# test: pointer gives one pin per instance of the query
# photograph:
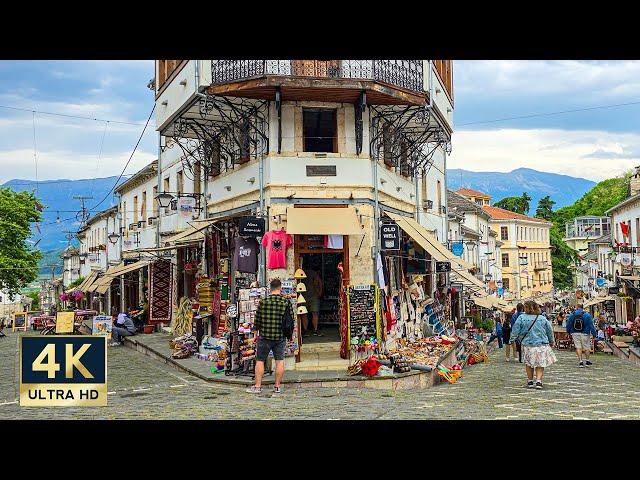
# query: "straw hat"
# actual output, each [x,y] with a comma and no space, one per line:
[300,274]
[302,310]
[301,288]
[301,299]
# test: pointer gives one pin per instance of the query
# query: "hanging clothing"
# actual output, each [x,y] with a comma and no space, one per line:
[335,242]
[276,242]
[245,255]
[381,282]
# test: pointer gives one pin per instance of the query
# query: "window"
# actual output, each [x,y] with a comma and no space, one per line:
[143,207]
[135,209]
[504,233]
[637,231]
[424,191]
[505,259]
[320,129]
[404,160]
[439,192]
[196,178]
[386,145]
[124,219]
[155,202]
[505,283]
[179,182]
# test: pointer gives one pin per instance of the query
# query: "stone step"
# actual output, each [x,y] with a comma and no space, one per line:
[321,347]
[321,361]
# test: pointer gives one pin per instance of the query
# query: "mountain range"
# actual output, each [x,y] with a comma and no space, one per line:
[563,189]
[58,198]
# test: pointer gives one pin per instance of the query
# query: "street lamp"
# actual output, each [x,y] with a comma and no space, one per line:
[113,238]
[164,199]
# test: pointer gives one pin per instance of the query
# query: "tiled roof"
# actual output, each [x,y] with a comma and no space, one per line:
[603,239]
[472,193]
[463,204]
[502,214]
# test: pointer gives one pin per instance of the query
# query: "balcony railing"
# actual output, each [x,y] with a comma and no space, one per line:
[541,266]
[407,74]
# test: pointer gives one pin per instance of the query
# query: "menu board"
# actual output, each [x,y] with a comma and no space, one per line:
[363,311]
[64,322]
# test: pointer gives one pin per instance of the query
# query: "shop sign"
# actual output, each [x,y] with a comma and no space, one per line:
[610,306]
[457,248]
[600,281]
[458,286]
[232,311]
[614,290]
[443,267]
[251,227]
[321,171]
[186,206]
[626,259]
[94,258]
[390,233]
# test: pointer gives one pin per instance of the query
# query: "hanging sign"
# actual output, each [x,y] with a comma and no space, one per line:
[610,306]
[363,317]
[457,248]
[443,267]
[390,233]
[186,206]
[626,259]
[614,290]
[600,281]
[251,227]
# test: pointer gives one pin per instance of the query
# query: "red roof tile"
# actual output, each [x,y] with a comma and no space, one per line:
[471,193]
[502,214]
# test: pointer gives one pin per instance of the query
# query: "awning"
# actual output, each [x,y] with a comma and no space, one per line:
[83,287]
[323,221]
[597,300]
[491,302]
[629,277]
[459,268]
[193,232]
[103,283]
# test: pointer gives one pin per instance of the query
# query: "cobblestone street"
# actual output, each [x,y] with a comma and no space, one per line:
[142,388]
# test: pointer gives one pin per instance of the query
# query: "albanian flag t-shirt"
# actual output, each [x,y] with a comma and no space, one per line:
[276,243]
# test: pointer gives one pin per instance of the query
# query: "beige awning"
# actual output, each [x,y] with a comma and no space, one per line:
[86,283]
[323,221]
[103,283]
[597,300]
[459,268]
[194,232]
[629,277]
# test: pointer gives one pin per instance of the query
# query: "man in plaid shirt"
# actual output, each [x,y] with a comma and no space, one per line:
[268,322]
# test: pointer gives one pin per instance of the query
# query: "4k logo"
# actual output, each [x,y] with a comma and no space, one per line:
[63,371]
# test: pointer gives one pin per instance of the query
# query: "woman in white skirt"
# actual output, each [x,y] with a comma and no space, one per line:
[535,334]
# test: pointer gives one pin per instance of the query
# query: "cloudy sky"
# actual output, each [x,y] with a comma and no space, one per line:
[594,144]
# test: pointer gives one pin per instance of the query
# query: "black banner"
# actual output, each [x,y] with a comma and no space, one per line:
[251,227]
[390,234]
[443,267]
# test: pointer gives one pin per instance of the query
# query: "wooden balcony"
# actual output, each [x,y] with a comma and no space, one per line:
[387,82]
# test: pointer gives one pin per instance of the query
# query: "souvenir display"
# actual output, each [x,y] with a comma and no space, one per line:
[301,288]
[299,274]
[302,310]
[425,351]
[276,243]
[301,299]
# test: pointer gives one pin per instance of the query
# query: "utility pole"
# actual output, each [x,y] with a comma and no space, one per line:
[83,214]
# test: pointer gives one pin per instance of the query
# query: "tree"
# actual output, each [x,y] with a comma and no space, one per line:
[18,263]
[545,208]
[515,204]
[35,296]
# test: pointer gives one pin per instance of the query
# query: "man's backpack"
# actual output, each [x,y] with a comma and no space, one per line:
[287,322]
[578,322]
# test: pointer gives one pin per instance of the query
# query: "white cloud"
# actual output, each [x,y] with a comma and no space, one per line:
[67,164]
[595,155]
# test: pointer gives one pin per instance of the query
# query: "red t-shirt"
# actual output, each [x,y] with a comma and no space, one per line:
[276,243]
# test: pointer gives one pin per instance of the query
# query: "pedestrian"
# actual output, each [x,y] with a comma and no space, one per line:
[560,319]
[124,327]
[497,333]
[514,317]
[314,293]
[268,322]
[580,327]
[508,348]
[535,334]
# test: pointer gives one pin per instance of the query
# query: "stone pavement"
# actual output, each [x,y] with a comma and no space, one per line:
[142,388]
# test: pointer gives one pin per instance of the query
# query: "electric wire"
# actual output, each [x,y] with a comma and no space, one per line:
[68,115]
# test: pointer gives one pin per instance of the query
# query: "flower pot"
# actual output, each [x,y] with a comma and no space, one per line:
[148,328]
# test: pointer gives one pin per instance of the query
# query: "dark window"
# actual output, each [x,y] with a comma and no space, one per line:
[320,130]
[504,233]
[505,283]
[505,259]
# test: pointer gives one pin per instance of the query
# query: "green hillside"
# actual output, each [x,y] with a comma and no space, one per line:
[596,201]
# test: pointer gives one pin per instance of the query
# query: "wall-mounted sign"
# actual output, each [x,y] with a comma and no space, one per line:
[390,234]
[614,290]
[600,281]
[251,227]
[186,206]
[457,248]
[321,171]
[443,267]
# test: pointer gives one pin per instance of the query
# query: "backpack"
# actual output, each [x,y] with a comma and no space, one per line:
[578,322]
[287,322]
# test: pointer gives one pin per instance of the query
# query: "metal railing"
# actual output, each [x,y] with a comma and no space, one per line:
[406,74]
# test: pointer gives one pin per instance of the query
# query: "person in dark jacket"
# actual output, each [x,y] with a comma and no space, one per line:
[580,327]
[514,317]
[506,333]
[124,327]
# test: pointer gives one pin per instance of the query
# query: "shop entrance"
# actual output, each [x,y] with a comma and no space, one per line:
[317,260]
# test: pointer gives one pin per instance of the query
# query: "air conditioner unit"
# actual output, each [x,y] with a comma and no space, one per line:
[427,204]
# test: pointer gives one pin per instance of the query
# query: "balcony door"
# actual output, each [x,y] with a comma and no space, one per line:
[316,68]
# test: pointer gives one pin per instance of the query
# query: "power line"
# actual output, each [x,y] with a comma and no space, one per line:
[128,161]
[532,115]
[67,115]
[51,182]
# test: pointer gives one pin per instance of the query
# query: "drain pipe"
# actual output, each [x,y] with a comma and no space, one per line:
[262,274]
[430,83]
[159,186]
[376,215]
[417,201]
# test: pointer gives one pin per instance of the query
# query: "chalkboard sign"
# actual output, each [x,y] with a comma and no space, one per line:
[363,312]
[610,306]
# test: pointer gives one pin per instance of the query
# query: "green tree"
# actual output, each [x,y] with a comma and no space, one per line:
[545,208]
[525,202]
[513,204]
[35,296]
[18,263]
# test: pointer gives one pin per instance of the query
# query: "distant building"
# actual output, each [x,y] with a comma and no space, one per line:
[581,230]
[475,196]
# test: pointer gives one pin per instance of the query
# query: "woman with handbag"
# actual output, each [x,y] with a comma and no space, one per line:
[535,334]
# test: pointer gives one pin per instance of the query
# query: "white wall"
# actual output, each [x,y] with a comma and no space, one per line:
[146,233]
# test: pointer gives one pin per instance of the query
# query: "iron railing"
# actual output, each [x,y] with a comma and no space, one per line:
[406,74]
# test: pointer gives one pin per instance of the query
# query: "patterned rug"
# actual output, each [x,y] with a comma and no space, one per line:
[161,292]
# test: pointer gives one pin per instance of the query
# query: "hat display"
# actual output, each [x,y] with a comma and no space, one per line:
[300,274]
[301,299]
[301,288]
[302,310]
